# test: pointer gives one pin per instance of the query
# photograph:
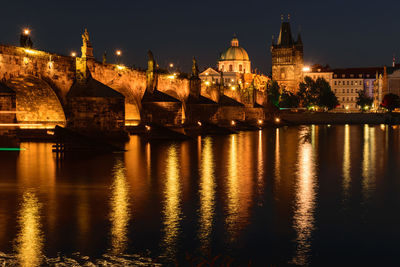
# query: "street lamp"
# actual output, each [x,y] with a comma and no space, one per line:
[73,54]
[26,31]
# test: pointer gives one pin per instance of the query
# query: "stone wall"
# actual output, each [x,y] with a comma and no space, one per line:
[226,114]
[164,113]
[7,103]
[96,113]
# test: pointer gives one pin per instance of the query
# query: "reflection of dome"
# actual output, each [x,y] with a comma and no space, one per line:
[235,52]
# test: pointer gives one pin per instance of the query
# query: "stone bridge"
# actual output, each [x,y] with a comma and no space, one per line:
[42,80]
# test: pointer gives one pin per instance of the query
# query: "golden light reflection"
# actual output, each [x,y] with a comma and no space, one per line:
[305,200]
[207,193]
[260,167]
[368,164]
[29,241]
[277,158]
[233,189]
[172,203]
[120,213]
[346,161]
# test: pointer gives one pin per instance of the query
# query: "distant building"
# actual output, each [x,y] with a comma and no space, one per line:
[287,59]
[348,82]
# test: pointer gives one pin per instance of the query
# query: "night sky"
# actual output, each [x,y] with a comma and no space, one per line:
[338,33]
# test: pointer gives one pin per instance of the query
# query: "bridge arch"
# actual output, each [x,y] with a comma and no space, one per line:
[36,102]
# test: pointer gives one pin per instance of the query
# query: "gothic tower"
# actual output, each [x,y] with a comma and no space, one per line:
[287,59]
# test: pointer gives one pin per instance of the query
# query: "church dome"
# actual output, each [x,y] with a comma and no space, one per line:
[235,52]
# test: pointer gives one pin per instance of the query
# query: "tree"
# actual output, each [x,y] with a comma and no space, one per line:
[390,102]
[308,93]
[326,99]
[273,93]
[289,100]
[317,94]
[363,100]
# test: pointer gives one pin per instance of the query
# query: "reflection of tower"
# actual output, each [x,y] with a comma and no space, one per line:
[287,58]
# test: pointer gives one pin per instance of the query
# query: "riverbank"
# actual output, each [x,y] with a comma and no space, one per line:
[289,118]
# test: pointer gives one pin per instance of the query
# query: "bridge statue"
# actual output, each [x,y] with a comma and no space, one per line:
[151,76]
[86,49]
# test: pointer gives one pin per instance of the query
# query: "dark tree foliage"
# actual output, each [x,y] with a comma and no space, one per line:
[391,102]
[273,93]
[363,100]
[317,93]
[289,100]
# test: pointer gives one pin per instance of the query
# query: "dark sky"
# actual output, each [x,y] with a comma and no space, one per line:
[338,33]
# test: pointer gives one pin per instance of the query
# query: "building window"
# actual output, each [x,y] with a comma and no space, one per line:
[344,91]
[351,90]
[335,83]
[343,99]
[347,82]
[240,67]
[347,90]
[351,82]
[339,82]
[222,68]
[230,68]
[335,91]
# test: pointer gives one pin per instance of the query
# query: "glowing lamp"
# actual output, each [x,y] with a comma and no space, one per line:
[260,122]
[26,31]
[233,123]
[199,123]
[73,54]
[118,52]
[233,88]
[277,120]
[306,69]
[148,128]
[171,65]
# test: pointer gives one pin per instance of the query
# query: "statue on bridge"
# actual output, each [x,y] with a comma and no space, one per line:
[86,49]
[151,76]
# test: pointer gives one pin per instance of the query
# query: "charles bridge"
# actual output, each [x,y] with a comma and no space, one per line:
[42,81]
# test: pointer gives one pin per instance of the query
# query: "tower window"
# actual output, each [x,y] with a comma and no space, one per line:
[240,67]
[230,68]
[222,68]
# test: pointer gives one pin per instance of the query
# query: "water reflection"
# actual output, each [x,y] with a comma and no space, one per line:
[260,168]
[232,189]
[346,161]
[172,202]
[368,163]
[277,158]
[120,213]
[207,193]
[29,241]
[304,199]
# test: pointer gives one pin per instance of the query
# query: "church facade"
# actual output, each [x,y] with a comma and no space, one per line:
[287,59]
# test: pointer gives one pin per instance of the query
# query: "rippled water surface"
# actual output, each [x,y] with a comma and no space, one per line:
[303,195]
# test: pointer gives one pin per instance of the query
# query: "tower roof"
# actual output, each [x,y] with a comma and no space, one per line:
[285,35]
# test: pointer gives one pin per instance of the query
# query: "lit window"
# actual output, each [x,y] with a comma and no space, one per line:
[240,67]
[230,68]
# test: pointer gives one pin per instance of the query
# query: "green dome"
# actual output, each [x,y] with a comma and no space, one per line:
[235,52]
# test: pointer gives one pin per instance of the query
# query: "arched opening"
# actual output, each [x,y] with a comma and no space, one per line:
[36,103]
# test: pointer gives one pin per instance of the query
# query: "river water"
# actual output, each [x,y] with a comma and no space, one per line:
[307,195]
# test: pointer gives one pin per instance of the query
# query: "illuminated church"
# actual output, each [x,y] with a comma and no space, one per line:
[234,66]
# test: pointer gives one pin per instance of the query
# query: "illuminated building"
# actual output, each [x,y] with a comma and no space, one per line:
[287,59]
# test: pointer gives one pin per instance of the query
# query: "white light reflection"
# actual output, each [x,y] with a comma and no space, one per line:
[172,202]
[207,193]
[29,243]
[346,161]
[303,219]
[120,213]
[368,164]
